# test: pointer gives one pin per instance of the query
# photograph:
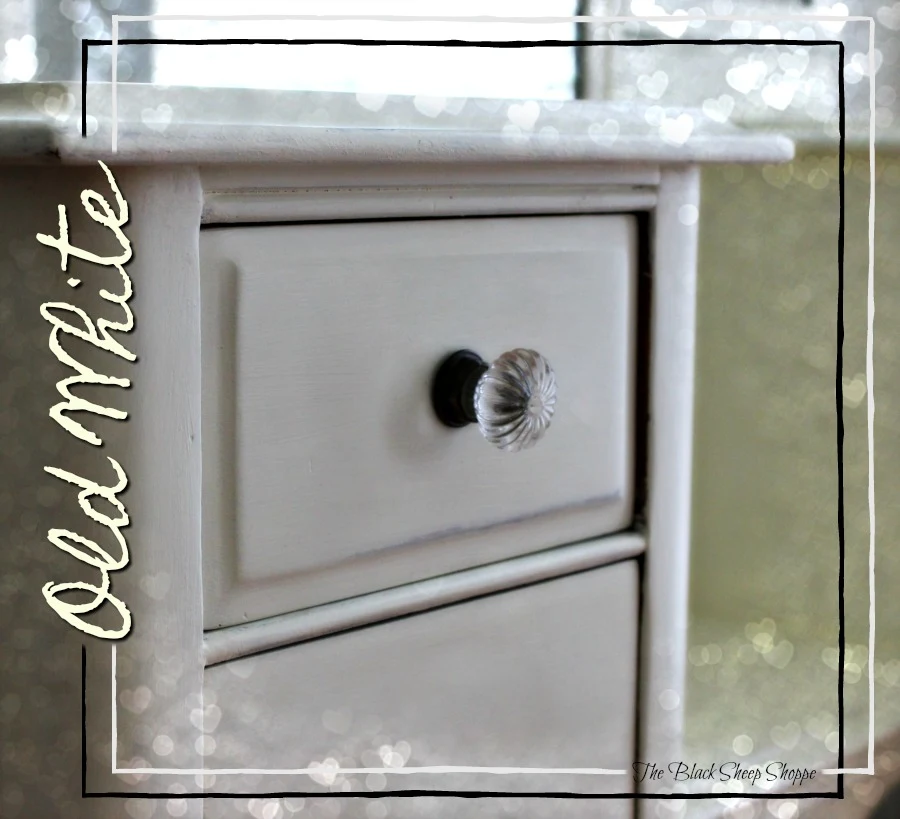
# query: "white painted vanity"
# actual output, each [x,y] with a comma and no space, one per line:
[323,574]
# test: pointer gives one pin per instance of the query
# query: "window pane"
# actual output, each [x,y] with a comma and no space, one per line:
[533,72]
[40,41]
[779,87]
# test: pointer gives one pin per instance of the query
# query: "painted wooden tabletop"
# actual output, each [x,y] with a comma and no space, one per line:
[155,124]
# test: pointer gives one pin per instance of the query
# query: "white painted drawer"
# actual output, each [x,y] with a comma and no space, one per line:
[537,677]
[326,473]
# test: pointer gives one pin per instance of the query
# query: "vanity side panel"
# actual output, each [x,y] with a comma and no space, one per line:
[163,451]
[158,447]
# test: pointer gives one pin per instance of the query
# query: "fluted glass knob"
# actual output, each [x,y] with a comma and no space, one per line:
[511,400]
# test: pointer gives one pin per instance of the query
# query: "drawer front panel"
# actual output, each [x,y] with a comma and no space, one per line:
[540,677]
[326,472]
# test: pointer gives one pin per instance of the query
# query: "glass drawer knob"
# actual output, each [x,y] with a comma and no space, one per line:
[511,400]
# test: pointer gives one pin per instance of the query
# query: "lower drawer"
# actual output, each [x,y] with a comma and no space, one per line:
[538,677]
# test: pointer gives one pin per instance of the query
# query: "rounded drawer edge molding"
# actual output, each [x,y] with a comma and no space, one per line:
[233,642]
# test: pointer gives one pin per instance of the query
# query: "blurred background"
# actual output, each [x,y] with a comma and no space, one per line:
[764,601]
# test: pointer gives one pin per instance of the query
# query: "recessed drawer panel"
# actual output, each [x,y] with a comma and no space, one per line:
[541,677]
[326,471]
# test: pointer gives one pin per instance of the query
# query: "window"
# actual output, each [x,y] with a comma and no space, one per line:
[547,73]
[778,87]
[42,43]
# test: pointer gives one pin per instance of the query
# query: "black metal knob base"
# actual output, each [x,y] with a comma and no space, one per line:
[453,388]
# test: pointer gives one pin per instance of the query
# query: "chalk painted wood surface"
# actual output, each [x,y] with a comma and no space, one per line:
[240,125]
[285,205]
[158,446]
[371,180]
[548,672]
[669,450]
[221,645]
[539,677]
[326,472]
[164,456]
